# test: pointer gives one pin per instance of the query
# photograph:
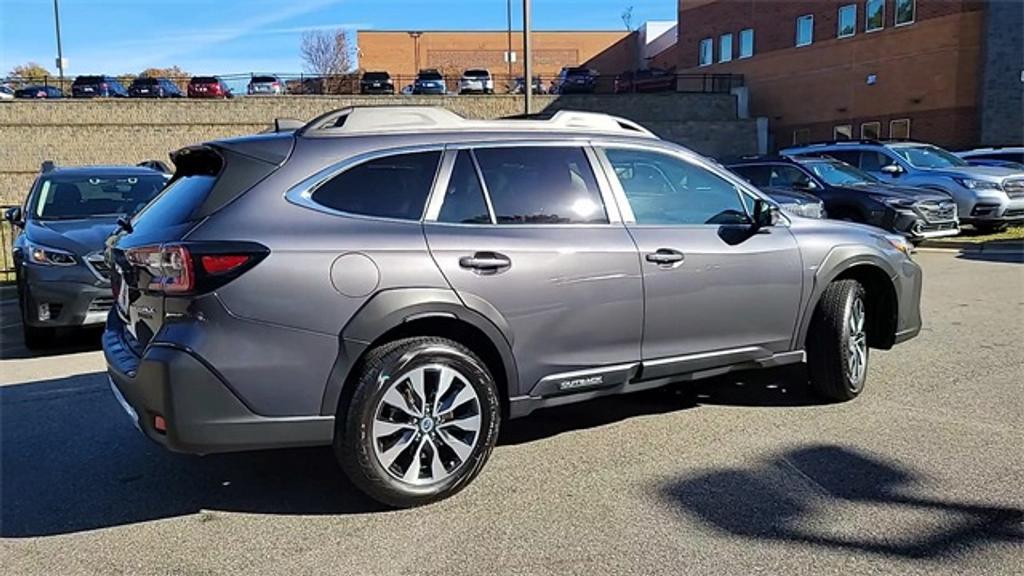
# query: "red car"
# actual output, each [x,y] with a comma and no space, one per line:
[650,80]
[208,87]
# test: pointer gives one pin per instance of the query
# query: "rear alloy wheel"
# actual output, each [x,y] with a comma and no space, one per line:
[421,423]
[837,342]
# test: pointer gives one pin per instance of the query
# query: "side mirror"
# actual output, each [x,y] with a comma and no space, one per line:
[765,214]
[14,216]
[893,170]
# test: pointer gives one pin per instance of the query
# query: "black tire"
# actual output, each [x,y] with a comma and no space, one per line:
[833,374]
[356,447]
[34,337]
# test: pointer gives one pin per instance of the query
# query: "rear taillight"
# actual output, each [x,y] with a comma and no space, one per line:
[168,267]
[223,263]
[194,267]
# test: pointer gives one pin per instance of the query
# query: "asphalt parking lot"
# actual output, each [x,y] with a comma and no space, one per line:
[922,474]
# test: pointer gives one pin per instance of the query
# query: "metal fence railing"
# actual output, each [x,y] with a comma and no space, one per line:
[7,234]
[349,84]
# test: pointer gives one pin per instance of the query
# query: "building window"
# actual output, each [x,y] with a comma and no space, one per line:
[874,15]
[905,12]
[871,131]
[707,51]
[805,30]
[843,132]
[900,129]
[847,21]
[725,48]
[801,136]
[746,43]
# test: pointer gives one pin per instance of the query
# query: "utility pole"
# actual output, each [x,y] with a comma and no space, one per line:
[60,53]
[508,55]
[527,59]
[416,51]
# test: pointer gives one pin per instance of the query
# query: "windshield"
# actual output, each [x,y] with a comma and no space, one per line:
[839,174]
[67,197]
[928,157]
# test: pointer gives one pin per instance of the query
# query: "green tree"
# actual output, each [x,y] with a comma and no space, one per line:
[30,73]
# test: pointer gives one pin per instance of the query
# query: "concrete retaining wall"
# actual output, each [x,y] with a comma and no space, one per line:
[78,132]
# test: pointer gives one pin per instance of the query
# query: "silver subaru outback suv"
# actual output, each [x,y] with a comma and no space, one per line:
[399,281]
[987,197]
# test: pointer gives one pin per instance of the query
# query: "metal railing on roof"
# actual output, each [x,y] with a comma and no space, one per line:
[377,119]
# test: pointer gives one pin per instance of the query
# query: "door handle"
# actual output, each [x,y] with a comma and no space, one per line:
[487,261]
[665,257]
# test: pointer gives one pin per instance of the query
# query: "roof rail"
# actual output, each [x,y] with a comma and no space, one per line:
[47,166]
[839,143]
[377,119]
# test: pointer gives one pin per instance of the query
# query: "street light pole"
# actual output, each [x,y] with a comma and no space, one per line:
[60,53]
[508,55]
[527,59]
[416,51]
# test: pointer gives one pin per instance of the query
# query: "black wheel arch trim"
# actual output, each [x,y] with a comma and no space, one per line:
[389,309]
[838,261]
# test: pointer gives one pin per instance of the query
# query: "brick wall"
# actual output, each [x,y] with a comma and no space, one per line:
[128,131]
[928,71]
[454,51]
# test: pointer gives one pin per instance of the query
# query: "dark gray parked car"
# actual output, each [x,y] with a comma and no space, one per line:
[62,277]
[398,281]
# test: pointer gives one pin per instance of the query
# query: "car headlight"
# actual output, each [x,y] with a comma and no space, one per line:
[47,256]
[809,210]
[972,184]
[895,202]
[900,243]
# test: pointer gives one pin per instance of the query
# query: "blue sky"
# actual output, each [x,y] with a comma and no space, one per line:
[228,36]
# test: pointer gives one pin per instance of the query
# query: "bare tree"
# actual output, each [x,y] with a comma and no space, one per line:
[326,52]
[627,18]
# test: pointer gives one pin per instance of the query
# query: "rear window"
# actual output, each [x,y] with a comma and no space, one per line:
[430,75]
[264,79]
[541,185]
[392,187]
[376,76]
[578,71]
[477,73]
[204,80]
[146,82]
[89,80]
[176,203]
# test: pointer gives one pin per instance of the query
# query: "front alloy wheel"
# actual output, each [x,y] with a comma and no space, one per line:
[837,342]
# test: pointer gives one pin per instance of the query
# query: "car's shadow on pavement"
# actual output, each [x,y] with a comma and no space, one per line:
[71,460]
[759,503]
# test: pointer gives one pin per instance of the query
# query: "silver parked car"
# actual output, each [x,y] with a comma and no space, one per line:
[399,281]
[265,85]
[987,197]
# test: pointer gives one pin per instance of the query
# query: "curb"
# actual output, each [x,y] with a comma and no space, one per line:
[970,247]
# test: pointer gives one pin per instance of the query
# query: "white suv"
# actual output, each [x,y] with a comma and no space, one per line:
[476,81]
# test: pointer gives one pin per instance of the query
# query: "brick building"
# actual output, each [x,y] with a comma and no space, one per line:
[402,53]
[944,71]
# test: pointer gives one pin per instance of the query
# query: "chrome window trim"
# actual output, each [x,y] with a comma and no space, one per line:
[582,143]
[742,186]
[301,194]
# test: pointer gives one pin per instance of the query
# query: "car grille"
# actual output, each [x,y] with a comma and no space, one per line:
[1014,188]
[101,304]
[938,211]
[99,266]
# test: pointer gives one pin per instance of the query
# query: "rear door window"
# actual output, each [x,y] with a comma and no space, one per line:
[541,185]
[390,187]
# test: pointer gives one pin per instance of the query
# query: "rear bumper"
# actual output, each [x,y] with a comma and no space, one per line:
[202,414]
